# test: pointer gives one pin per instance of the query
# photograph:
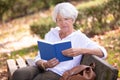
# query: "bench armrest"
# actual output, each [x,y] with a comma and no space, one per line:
[103,70]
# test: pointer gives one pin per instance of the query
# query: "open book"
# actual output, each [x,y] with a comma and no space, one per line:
[49,50]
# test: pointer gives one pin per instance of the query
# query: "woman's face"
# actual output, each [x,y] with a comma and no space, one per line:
[65,24]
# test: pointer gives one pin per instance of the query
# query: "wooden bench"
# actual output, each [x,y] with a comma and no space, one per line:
[103,70]
[13,64]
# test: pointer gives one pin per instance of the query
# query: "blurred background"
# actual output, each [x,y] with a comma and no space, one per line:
[23,22]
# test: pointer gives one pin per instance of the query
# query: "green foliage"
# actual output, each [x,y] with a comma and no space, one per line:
[31,51]
[5,5]
[10,9]
[23,7]
[42,26]
[96,17]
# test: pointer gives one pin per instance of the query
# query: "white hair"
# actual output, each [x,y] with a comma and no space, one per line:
[66,10]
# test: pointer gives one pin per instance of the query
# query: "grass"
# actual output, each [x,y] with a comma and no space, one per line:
[30,51]
[111,41]
[90,4]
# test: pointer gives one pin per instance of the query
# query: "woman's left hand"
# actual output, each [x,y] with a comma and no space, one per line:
[72,52]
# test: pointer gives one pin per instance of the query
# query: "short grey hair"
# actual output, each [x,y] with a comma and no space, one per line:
[66,10]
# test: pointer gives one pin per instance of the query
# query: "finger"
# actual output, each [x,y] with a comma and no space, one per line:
[66,51]
[52,59]
[52,62]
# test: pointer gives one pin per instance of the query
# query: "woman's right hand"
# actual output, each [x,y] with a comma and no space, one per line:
[51,63]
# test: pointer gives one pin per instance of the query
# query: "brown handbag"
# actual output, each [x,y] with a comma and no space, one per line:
[81,72]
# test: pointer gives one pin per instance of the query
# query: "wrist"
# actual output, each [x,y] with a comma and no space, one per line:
[84,51]
[43,65]
[40,64]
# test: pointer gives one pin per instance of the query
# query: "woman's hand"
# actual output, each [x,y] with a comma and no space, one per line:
[72,52]
[51,63]
[77,51]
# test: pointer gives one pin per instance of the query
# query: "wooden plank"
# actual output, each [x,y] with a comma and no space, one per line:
[21,63]
[11,67]
[30,62]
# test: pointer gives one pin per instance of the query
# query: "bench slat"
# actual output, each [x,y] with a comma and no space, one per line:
[30,62]
[21,63]
[11,65]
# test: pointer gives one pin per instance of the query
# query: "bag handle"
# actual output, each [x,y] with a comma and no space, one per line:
[76,70]
[80,68]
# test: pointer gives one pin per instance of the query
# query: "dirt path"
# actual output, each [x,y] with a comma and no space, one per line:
[15,35]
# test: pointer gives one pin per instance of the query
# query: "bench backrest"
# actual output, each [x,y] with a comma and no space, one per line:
[103,70]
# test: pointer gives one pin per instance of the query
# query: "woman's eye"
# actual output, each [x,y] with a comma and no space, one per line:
[66,18]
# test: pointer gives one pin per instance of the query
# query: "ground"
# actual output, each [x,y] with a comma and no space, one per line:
[15,41]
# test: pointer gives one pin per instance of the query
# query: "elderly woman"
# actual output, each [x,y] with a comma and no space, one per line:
[64,15]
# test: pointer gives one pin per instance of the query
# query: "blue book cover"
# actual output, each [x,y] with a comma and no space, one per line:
[49,50]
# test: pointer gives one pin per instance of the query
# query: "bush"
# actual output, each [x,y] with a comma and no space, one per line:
[42,26]
[96,17]
[10,9]
[5,5]
[22,7]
